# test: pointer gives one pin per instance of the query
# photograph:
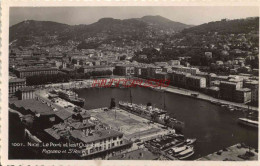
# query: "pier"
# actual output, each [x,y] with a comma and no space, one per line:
[236,152]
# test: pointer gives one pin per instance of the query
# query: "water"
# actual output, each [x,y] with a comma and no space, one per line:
[214,127]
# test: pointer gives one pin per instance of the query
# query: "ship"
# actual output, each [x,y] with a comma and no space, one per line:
[70,96]
[248,122]
[186,153]
[152,113]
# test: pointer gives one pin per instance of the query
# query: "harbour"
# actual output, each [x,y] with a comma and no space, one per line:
[214,127]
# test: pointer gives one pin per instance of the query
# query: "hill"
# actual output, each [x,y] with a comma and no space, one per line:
[44,32]
[226,26]
[164,23]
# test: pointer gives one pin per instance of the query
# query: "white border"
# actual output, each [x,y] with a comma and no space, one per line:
[48,3]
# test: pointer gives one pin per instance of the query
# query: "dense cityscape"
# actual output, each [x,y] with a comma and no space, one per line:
[52,64]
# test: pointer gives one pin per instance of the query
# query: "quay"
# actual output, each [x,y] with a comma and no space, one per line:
[169,89]
[238,152]
[204,97]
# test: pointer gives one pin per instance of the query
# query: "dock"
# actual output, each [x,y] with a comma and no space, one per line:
[236,152]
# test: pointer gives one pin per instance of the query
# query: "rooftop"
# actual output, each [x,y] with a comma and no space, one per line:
[91,67]
[80,125]
[227,82]
[36,69]
[63,114]
[97,135]
[15,80]
[244,90]
[33,105]
[195,77]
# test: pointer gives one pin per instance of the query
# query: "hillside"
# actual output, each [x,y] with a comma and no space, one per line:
[43,32]
[226,26]
[164,23]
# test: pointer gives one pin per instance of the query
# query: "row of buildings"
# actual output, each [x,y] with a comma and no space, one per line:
[238,88]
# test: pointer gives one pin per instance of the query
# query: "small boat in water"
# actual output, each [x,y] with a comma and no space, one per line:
[186,153]
[248,122]
[190,141]
[179,149]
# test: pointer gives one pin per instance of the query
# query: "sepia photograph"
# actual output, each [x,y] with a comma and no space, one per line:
[176,83]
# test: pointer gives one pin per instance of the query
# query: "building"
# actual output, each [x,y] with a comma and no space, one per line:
[208,55]
[207,76]
[178,78]
[254,86]
[38,109]
[26,93]
[124,70]
[174,62]
[87,69]
[153,70]
[213,91]
[243,95]
[162,76]
[191,70]
[195,82]
[32,71]
[101,143]
[227,90]
[15,84]
[141,71]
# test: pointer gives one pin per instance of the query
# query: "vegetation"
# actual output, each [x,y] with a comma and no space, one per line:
[234,26]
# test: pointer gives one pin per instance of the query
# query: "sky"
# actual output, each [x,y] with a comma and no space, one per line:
[88,15]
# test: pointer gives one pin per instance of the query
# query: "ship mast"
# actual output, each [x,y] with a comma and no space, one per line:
[164,105]
[131,96]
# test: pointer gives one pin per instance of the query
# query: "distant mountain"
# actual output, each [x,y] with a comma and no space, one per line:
[164,23]
[226,26]
[37,28]
[29,32]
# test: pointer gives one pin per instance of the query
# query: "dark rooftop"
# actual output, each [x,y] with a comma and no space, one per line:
[63,114]
[34,106]
[36,69]
[80,125]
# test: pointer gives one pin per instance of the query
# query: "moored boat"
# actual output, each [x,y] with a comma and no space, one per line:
[179,149]
[69,96]
[190,141]
[248,122]
[186,153]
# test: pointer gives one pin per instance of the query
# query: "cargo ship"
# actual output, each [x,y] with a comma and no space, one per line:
[69,96]
[151,113]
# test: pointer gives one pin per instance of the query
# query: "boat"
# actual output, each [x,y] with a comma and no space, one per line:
[190,141]
[186,153]
[194,94]
[152,113]
[70,96]
[248,122]
[177,150]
